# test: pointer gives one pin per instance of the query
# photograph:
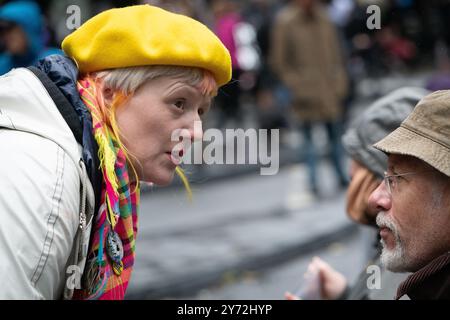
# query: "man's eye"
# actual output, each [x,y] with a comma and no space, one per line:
[392,181]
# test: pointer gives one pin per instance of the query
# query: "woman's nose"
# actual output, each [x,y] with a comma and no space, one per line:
[380,199]
[196,130]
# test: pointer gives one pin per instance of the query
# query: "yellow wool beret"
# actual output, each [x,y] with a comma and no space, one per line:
[146,35]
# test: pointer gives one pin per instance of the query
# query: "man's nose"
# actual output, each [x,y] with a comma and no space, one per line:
[380,199]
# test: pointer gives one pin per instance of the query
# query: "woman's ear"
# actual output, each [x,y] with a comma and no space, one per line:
[108,95]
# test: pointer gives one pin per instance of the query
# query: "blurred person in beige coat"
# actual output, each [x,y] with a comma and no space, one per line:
[307,59]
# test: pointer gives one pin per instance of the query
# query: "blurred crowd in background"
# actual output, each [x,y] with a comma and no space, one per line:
[413,34]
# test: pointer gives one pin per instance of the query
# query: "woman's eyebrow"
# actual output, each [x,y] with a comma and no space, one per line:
[181,87]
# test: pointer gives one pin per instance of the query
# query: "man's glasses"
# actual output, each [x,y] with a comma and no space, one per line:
[391,181]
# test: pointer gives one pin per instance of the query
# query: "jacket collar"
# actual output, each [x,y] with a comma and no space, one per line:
[430,282]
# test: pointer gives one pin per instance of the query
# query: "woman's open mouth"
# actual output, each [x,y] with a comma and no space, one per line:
[176,160]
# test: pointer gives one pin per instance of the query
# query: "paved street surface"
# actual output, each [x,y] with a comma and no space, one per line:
[347,255]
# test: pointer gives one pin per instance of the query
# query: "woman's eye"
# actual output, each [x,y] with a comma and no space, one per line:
[180,104]
[200,112]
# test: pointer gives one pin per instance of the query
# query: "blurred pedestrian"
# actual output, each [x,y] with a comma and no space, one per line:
[306,56]
[271,113]
[440,79]
[414,200]
[366,172]
[79,132]
[226,21]
[22,35]
[184,7]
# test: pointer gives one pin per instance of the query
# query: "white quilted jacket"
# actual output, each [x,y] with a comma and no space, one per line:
[44,194]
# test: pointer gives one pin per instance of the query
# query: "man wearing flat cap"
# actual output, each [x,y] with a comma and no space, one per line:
[414,200]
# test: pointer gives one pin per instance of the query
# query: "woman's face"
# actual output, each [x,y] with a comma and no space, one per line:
[358,187]
[149,117]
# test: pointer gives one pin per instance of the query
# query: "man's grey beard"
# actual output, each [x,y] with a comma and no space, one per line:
[393,259]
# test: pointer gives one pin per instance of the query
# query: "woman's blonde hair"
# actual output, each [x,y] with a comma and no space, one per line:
[126,81]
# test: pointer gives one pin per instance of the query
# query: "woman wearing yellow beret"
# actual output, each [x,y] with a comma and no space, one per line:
[81,131]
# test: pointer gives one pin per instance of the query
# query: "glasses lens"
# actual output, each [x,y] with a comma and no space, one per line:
[387,183]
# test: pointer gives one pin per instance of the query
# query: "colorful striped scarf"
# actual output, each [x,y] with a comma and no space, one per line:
[117,212]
